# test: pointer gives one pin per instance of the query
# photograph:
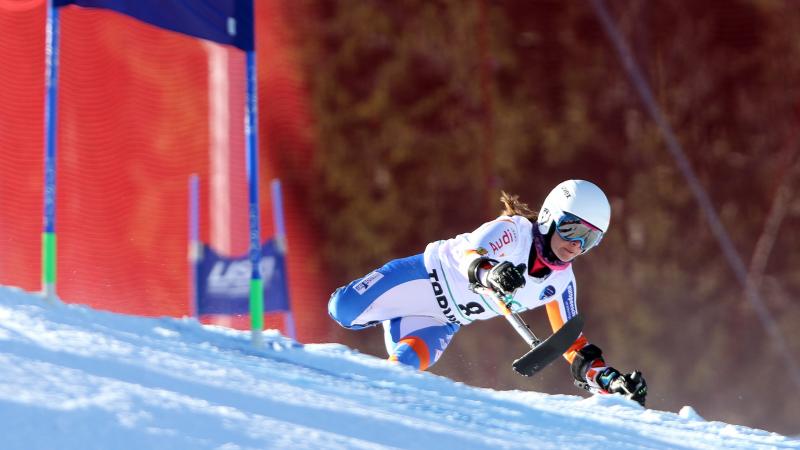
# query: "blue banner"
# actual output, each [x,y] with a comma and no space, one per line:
[223,284]
[224,21]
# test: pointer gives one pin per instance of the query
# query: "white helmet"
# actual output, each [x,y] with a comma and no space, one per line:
[577,197]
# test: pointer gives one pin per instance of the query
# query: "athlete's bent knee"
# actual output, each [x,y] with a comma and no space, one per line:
[344,310]
[336,309]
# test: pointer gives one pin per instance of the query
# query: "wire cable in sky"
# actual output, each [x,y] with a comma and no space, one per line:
[675,148]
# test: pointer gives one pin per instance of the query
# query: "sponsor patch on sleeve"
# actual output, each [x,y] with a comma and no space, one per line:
[508,237]
[367,282]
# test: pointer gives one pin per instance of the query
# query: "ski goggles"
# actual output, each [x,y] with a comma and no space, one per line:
[572,228]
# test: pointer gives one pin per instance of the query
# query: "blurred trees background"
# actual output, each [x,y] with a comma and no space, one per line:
[426,109]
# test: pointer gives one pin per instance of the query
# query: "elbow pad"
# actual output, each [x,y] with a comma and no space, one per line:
[583,361]
[476,267]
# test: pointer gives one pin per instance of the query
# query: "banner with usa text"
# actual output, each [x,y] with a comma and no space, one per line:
[223,284]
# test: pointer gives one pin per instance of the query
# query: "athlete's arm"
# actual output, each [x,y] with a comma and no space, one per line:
[586,360]
[496,240]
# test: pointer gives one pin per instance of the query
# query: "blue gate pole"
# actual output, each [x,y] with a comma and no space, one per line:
[251,134]
[51,91]
[283,248]
[194,243]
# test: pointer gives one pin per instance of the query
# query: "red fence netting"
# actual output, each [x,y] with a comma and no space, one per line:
[133,112]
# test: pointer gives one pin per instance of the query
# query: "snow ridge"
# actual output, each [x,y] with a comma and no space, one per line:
[76,378]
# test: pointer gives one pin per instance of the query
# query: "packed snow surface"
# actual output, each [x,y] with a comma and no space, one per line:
[75,378]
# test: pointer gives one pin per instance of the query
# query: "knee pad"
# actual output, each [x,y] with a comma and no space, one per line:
[336,309]
[344,312]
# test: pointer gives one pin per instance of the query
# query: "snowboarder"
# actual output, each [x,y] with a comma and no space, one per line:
[424,299]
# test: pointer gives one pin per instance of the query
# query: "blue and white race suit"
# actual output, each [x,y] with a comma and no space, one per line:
[422,300]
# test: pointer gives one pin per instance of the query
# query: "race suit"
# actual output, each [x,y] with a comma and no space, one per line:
[422,300]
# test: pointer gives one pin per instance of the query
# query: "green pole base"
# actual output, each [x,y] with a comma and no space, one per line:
[49,265]
[257,310]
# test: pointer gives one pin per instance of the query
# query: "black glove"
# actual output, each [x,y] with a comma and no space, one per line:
[505,278]
[632,385]
[501,277]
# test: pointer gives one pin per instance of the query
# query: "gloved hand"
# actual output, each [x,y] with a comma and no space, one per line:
[506,278]
[632,385]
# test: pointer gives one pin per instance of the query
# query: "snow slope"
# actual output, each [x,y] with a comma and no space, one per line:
[75,378]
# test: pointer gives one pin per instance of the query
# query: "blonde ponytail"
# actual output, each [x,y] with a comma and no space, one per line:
[512,206]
